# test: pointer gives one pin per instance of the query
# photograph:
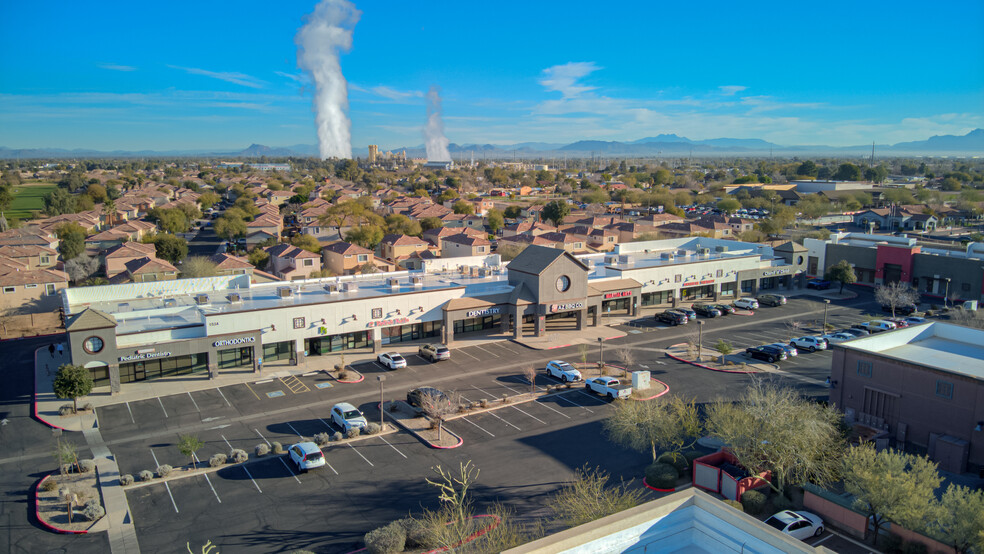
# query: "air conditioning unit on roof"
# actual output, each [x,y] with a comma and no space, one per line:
[331,288]
[234,298]
[284,292]
[393,282]
[201,299]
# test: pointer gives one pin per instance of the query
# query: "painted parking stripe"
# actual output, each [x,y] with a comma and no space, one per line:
[529,414]
[565,399]
[326,458]
[168,487]
[252,391]
[223,397]
[207,480]
[492,413]
[248,474]
[262,437]
[295,431]
[281,458]
[547,406]
[477,425]
[469,355]
[486,351]
[162,406]
[508,387]
[197,409]
[360,455]
[393,447]
[131,412]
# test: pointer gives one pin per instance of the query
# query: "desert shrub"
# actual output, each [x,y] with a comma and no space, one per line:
[388,539]
[49,485]
[675,459]
[780,503]
[126,480]
[163,470]
[394,407]
[735,504]
[343,375]
[93,510]
[373,429]
[892,544]
[353,432]
[691,456]
[322,439]
[484,402]
[65,410]
[336,436]
[87,407]
[662,476]
[418,533]
[238,455]
[277,447]
[262,449]
[505,398]
[914,547]
[753,502]
[217,459]
[146,475]
[87,466]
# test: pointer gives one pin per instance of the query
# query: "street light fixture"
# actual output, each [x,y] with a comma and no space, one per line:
[700,339]
[382,409]
[947,294]
[826,302]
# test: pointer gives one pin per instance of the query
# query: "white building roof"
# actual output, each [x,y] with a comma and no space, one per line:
[936,345]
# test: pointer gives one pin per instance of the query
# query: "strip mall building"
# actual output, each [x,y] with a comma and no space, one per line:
[141,331]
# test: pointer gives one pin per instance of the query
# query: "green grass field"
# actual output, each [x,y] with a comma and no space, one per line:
[27,198]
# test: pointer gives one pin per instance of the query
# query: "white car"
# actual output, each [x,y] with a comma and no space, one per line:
[746,303]
[563,371]
[914,320]
[306,455]
[348,416]
[838,337]
[392,360]
[798,525]
[809,343]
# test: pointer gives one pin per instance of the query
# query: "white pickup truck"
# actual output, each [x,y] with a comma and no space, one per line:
[608,386]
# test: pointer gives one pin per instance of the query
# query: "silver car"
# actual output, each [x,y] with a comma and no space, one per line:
[306,455]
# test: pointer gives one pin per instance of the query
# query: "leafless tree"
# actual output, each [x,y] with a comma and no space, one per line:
[895,295]
[438,408]
[199,266]
[81,267]
[625,355]
[582,352]
[530,373]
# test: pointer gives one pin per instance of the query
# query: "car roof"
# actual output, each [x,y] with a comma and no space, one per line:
[307,447]
[788,516]
[426,389]
[394,354]
[343,406]
[559,362]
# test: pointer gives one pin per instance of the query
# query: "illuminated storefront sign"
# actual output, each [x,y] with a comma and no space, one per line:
[233,342]
[480,313]
[147,356]
[388,322]
[566,307]
[621,294]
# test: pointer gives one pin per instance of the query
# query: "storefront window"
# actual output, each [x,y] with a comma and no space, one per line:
[694,293]
[408,333]
[235,357]
[476,324]
[100,375]
[278,351]
[748,285]
[608,306]
[320,346]
[728,289]
[164,367]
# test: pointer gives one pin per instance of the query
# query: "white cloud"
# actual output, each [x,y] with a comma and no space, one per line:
[731,90]
[297,78]
[565,78]
[115,67]
[396,95]
[227,76]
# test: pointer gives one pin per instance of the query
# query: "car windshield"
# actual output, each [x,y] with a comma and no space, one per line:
[352,414]
[565,367]
[314,456]
[774,522]
[396,358]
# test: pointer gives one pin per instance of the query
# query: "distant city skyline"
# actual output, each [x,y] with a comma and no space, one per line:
[115,75]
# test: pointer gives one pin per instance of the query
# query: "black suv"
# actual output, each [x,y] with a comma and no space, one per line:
[706,310]
[415,397]
[685,311]
[767,353]
[900,310]
[672,318]
[724,308]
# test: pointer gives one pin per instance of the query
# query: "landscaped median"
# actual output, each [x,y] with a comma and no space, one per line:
[715,361]
[656,388]
[56,496]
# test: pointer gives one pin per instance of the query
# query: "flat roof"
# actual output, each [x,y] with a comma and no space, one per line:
[943,346]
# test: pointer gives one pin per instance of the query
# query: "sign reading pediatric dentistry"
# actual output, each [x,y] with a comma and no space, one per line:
[145,356]
[486,311]
[566,307]
[233,342]
[620,294]
[388,322]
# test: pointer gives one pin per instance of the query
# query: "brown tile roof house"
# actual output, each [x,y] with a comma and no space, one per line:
[144,270]
[117,257]
[29,290]
[393,247]
[566,241]
[272,224]
[436,236]
[291,263]
[598,222]
[659,219]
[459,245]
[30,235]
[693,228]
[227,264]
[527,227]
[627,232]
[32,256]
[736,223]
[345,258]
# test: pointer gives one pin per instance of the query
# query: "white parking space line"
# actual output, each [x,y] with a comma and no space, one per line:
[289,470]
[330,428]
[820,541]
[295,430]
[162,406]
[565,399]
[197,409]
[262,437]
[360,455]
[207,480]
[486,351]
[477,425]
[227,442]
[529,414]
[131,412]
[393,447]
[248,474]
[469,355]
[157,464]
[508,387]
[547,406]
[223,397]
[421,358]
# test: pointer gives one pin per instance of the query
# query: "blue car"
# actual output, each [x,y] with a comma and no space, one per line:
[819,284]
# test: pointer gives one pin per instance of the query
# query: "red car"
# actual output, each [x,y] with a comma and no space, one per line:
[900,323]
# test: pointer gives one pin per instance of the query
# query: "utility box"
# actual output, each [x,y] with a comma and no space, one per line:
[640,380]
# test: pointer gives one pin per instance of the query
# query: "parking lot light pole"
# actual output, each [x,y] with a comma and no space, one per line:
[601,352]
[946,295]
[700,339]
[826,302]
[382,408]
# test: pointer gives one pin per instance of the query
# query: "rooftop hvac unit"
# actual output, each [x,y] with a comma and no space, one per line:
[703,251]
[482,272]
[393,282]
[123,307]
[350,286]
[666,255]
[284,292]
[170,303]
[611,259]
[234,298]
[720,248]
[682,253]
[417,281]
[201,299]
[331,288]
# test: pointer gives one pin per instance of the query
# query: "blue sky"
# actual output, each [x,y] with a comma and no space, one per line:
[181,75]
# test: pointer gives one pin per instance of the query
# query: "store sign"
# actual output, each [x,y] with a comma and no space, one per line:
[388,322]
[690,283]
[707,281]
[621,294]
[480,313]
[233,342]
[783,271]
[566,307]
[146,356]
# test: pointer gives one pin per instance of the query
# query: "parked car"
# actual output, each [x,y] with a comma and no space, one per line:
[690,313]
[789,349]
[809,343]
[672,318]
[306,455]
[562,370]
[819,284]
[415,397]
[899,323]
[876,326]
[834,338]
[913,320]
[767,353]
[348,416]
[706,310]
[608,386]
[434,352]
[392,360]
[857,332]
[771,299]
[900,310]
[724,308]
[747,303]
[798,525]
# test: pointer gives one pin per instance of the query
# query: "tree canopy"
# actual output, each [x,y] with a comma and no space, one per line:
[73,381]
[71,240]
[170,247]
[556,211]
[843,273]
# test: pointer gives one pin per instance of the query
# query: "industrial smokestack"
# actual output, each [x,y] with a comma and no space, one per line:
[327,33]
[437,143]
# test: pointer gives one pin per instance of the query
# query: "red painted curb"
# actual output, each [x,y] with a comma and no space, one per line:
[460,442]
[429,443]
[361,378]
[655,396]
[615,337]
[561,346]
[471,537]
[650,487]
[35,402]
[708,367]
[44,523]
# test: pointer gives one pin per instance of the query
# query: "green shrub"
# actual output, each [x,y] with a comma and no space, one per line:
[418,534]
[87,466]
[239,455]
[892,544]
[217,459]
[674,459]
[353,432]
[914,547]
[389,539]
[93,510]
[336,436]
[126,480]
[262,449]
[780,503]
[692,455]
[373,428]
[322,439]
[735,504]
[277,447]
[753,502]
[163,470]
[49,485]
[146,475]
[66,410]
[662,476]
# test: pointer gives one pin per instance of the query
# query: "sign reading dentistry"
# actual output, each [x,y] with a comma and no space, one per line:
[480,313]
[145,356]
[233,342]
[566,307]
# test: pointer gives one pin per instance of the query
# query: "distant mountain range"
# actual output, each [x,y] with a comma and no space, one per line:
[971,144]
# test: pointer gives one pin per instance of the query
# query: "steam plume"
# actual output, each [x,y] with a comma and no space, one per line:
[327,32]
[437,143]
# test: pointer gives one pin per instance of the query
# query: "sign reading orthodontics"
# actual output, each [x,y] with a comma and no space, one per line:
[233,342]
[620,294]
[566,307]
[479,313]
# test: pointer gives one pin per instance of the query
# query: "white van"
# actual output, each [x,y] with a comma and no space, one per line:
[878,325]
